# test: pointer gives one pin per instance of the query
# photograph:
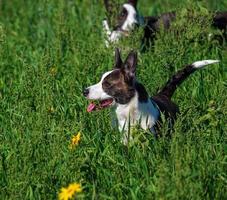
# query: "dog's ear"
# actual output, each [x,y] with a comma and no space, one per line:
[118,61]
[133,3]
[130,66]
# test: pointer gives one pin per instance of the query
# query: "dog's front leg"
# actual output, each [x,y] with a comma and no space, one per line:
[123,127]
[127,137]
[106,29]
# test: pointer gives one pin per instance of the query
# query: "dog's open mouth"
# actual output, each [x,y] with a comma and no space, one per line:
[100,105]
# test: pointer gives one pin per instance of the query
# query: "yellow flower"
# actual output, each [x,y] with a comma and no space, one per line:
[75,140]
[67,193]
[53,71]
[51,109]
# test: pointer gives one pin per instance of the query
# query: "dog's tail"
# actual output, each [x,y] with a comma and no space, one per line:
[181,75]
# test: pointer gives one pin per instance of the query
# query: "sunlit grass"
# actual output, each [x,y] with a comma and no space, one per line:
[49,52]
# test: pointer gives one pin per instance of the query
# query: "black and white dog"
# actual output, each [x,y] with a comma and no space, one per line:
[120,88]
[128,18]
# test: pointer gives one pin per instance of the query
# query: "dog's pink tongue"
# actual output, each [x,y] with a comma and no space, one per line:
[106,103]
[91,107]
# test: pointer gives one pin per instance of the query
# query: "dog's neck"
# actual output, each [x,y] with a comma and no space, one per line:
[139,111]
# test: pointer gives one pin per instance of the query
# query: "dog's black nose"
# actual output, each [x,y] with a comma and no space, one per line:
[86,92]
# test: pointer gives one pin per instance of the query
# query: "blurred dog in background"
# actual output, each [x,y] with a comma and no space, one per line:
[122,20]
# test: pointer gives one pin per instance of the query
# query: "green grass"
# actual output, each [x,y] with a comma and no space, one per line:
[50,51]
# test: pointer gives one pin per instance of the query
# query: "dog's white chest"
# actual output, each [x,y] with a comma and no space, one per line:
[136,113]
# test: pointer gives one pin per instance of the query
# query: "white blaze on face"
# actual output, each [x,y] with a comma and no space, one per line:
[131,18]
[96,91]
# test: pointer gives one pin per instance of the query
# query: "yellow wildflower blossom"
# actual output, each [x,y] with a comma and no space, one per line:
[75,140]
[51,109]
[68,193]
[53,71]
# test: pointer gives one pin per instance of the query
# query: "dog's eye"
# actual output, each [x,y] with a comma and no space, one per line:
[122,14]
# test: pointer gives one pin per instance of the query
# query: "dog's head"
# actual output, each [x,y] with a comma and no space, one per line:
[116,86]
[125,15]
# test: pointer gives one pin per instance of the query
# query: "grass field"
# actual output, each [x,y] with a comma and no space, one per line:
[50,50]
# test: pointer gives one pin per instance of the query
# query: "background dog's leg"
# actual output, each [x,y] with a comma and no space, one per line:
[106,29]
